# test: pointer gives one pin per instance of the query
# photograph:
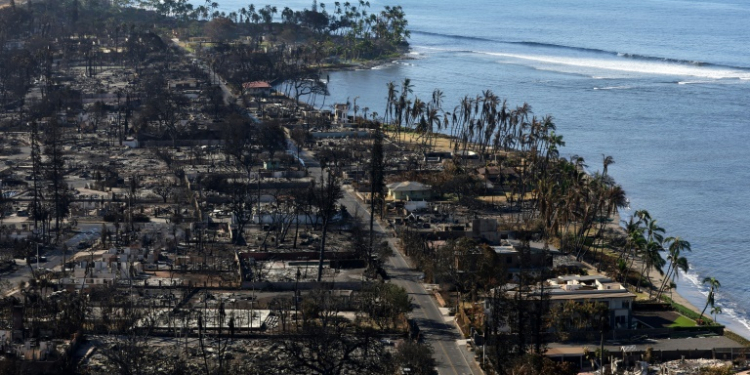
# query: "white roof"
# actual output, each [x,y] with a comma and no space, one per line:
[408,186]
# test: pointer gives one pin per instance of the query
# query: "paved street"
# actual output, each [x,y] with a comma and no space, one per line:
[23,272]
[87,233]
[439,330]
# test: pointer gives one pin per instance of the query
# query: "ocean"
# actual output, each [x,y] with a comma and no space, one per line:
[663,86]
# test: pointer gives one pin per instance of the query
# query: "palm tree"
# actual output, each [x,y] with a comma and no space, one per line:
[202,11]
[214,5]
[714,286]
[634,242]
[607,160]
[652,245]
[243,15]
[716,310]
[390,102]
[675,246]
[402,107]
[652,260]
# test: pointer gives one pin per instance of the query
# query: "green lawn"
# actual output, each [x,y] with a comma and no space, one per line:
[682,322]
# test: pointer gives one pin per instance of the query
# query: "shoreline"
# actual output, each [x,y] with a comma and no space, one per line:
[677,295]
[687,287]
[368,64]
[688,290]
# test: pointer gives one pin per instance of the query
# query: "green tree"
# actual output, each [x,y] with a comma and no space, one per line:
[716,310]
[418,358]
[219,29]
[675,247]
[714,286]
[652,259]
[385,303]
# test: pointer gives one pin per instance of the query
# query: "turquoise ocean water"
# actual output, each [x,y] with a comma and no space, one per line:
[663,86]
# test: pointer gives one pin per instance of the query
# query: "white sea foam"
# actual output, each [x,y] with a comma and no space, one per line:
[694,279]
[577,64]
[614,88]
[730,309]
[733,315]
[693,82]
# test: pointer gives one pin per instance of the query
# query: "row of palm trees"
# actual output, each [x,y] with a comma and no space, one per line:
[563,197]
[483,124]
[567,202]
[354,22]
[645,239]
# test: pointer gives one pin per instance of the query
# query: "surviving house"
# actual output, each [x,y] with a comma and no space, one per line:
[409,191]
[596,289]
[579,289]
[257,88]
[341,112]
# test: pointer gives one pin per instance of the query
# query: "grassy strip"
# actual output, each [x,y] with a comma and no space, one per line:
[682,322]
[687,312]
[735,337]
[682,309]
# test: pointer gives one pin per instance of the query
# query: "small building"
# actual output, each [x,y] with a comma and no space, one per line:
[409,191]
[489,173]
[341,112]
[257,88]
[271,164]
[131,142]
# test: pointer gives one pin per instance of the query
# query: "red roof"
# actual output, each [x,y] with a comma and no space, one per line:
[256,85]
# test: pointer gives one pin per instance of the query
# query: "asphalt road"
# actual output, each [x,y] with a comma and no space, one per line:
[438,329]
[23,272]
[54,257]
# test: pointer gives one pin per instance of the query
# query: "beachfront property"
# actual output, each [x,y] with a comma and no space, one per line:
[408,191]
[596,289]
[582,289]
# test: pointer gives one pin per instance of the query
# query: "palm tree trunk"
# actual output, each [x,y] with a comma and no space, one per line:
[664,282]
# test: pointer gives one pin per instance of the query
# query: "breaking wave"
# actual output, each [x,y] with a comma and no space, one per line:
[604,59]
